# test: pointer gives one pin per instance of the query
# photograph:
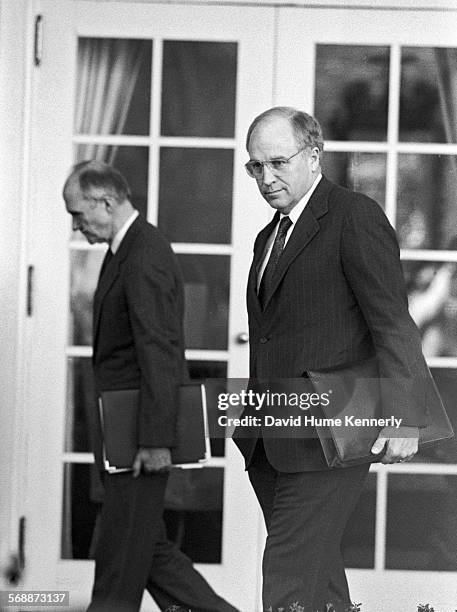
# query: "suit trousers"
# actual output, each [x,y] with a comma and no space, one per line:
[305,514]
[132,552]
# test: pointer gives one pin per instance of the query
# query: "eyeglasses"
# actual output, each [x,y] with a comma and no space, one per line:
[255,168]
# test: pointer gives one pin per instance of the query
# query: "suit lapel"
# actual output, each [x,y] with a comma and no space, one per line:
[112,272]
[306,227]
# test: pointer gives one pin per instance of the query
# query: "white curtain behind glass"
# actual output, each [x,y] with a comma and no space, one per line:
[107,74]
[446,63]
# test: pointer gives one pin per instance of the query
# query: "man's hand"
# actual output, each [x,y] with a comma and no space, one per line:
[402,444]
[150,460]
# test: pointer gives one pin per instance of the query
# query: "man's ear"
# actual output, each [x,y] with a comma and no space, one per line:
[315,158]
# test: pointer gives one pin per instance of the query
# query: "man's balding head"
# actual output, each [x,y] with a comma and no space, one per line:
[97,197]
[307,130]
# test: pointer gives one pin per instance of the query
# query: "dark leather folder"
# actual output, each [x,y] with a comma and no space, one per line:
[357,391]
[119,419]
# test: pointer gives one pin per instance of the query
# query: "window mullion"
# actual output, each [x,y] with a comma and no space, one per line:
[392,133]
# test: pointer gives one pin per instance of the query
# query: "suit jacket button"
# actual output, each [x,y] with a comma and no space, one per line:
[263,340]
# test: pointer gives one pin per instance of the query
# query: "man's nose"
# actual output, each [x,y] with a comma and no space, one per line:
[75,225]
[268,176]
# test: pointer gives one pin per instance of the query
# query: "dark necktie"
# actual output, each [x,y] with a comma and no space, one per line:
[276,251]
[108,257]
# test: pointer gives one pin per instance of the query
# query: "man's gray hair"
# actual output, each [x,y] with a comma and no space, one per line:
[307,130]
[93,173]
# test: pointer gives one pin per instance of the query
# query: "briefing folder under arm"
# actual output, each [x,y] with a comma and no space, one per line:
[119,423]
[357,393]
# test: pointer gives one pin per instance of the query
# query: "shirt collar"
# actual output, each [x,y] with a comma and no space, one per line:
[115,244]
[300,206]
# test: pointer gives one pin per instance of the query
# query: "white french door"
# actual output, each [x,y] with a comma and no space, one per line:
[166,94]
[383,85]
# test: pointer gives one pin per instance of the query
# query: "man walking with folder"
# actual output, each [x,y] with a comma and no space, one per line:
[325,292]
[137,344]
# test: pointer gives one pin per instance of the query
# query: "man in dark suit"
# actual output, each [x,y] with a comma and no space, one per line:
[325,291]
[137,344]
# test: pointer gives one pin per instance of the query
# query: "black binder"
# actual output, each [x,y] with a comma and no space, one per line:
[119,423]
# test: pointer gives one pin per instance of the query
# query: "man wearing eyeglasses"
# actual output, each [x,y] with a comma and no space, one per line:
[325,290]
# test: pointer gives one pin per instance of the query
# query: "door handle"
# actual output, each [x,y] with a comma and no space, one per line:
[15,568]
[242,338]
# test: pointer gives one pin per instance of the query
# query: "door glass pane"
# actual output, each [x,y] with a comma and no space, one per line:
[200,371]
[81,502]
[80,401]
[364,172]
[195,197]
[193,512]
[432,294]
[199,88]
[207,291]
[427,94]
[132,162]
[422,522]
[359,537]
[85,268]
[427,193]
[113,89]
[194,497]
[352,91]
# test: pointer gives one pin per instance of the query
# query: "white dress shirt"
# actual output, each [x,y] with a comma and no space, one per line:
[293,216]
[121,233]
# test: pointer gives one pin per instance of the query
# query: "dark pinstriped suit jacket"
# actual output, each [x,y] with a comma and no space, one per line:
[138,335]
[338,298]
